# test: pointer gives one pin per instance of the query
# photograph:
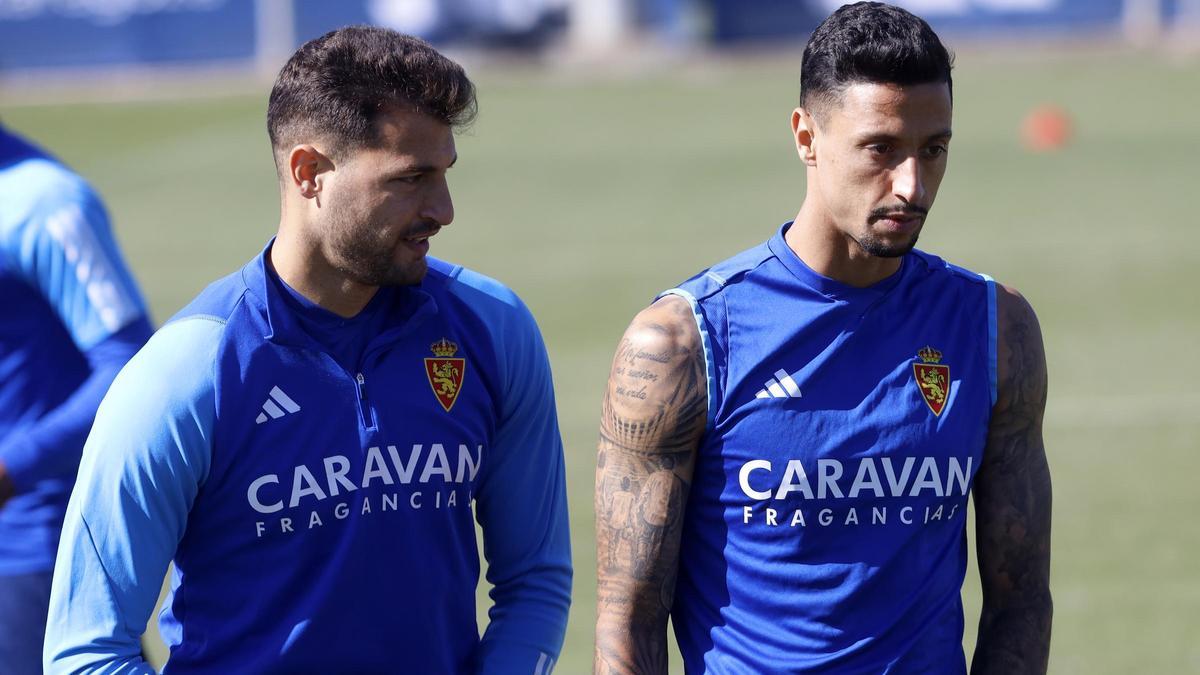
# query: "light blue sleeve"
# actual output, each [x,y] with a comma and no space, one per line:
[143,463]
[65,248]
[521,503]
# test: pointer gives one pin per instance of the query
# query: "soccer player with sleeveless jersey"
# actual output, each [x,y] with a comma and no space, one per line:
[789,438]
[306,440]
[70,317]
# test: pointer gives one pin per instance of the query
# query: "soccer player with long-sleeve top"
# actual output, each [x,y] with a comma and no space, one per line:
[70,317]
[311,440]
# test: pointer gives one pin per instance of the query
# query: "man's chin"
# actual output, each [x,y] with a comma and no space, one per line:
[410,274]
[881,249]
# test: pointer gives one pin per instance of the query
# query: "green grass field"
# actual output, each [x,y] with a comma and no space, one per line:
[589,194]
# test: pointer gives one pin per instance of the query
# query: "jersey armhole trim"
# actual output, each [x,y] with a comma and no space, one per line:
[992,335]
[706,342]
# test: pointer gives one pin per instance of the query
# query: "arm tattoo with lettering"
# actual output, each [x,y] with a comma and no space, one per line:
[652,418]
[1012,504]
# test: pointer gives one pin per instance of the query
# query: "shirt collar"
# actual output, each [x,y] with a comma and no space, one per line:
[409,305]
[826,286]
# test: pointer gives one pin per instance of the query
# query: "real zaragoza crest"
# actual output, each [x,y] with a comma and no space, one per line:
[445,372]
[933,379]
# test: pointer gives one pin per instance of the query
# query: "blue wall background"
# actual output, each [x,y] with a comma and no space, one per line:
[84,33]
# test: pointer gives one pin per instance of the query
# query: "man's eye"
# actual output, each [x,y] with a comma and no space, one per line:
[408,180]
[879,148]
[934,151]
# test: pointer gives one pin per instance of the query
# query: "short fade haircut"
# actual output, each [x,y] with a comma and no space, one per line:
[335,86]
[870,42]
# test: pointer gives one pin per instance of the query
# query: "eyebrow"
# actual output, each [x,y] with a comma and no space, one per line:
[424,168]
[873,138]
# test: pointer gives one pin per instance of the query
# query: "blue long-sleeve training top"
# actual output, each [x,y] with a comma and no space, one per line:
[70,317]
[315,494]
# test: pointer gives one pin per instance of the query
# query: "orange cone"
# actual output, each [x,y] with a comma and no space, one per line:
[1046,128]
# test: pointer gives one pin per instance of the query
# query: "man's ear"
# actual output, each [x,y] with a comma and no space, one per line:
[307,167]
[804,131]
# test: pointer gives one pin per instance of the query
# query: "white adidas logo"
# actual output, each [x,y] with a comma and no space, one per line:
[780,386]
[278,404]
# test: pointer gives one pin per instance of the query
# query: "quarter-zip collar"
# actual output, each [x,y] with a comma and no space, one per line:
[408,307]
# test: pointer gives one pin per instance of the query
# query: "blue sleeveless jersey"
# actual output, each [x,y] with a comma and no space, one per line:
[825,527]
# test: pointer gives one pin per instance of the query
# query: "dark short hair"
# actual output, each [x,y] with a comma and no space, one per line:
[870,42]
[336,85]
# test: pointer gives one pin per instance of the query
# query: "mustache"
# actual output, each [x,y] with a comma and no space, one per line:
[424,227]
[899,210]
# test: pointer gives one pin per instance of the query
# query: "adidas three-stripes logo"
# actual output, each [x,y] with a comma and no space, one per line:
[780,386]
[278,404]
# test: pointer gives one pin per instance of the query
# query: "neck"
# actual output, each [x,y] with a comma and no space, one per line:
[301,264]
[831,253]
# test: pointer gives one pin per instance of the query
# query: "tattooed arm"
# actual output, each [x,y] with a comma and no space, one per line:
[652,419]
[1012,504]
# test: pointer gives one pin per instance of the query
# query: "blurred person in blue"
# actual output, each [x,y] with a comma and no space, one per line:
[789,438]
[70,317]
[305,441]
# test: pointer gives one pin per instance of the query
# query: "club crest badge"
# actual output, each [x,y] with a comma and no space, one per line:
[933,379]
[445,372]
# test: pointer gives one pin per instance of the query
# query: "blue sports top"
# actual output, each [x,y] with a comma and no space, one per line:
[70,317]
[825,526]
[319,518]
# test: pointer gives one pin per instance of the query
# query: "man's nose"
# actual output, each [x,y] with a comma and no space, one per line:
[908,184]
[439,206]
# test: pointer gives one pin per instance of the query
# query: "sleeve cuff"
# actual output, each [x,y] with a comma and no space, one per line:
[514,659]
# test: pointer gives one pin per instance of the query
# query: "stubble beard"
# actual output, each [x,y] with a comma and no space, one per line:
[874,247]
[368,260]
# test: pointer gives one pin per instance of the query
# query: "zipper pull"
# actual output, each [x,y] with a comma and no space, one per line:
[363,405]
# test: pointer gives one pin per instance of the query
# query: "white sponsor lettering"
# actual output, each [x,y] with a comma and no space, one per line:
[343,475]
[927,477]
[339,473]
[336,468]
[855,516]
[376,468]
[252,494]
[939,477]
[866,478]
[958,475]
[794,480]
[897,485]
[404,472]
[744,478]
[304,485]
[828,472]
[436,464]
